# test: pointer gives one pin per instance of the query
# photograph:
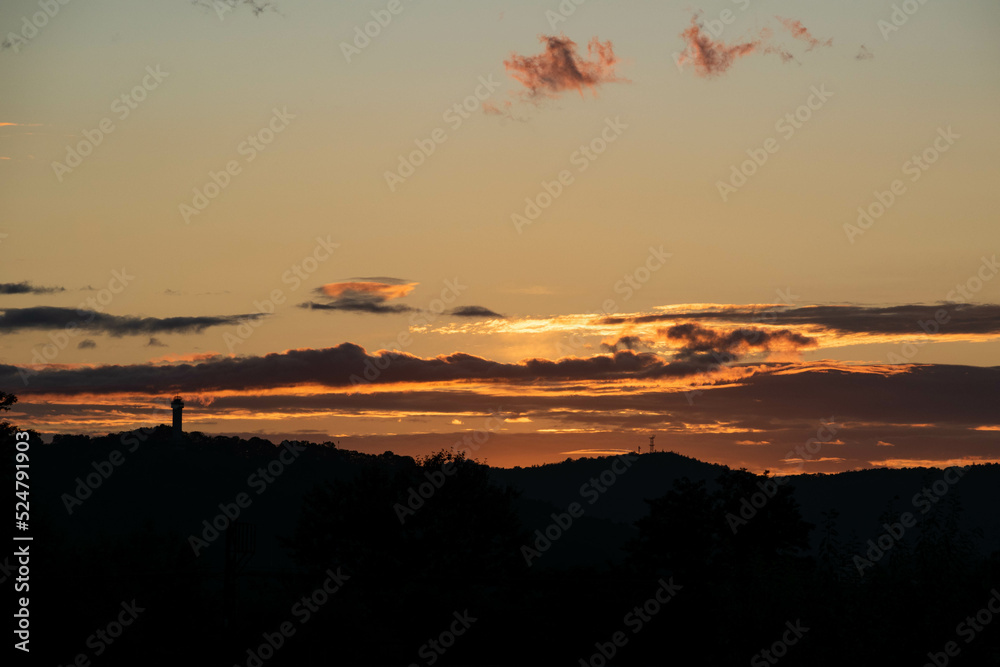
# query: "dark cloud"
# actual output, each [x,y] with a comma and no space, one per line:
[344,365]
[45,317]
[363,295]
[369,304]
[372,295]
[559,67]
[27,288]
[626,343]
[725,346]
[902,395]
[929,413]
[222,7]
[86,344]
[774,398]
[155,342]
[385,280]
[962,318]
[473,311]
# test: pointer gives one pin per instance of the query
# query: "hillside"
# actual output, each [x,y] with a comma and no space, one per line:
[129,515]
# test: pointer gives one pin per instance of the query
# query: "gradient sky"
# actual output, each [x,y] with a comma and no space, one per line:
[795,320]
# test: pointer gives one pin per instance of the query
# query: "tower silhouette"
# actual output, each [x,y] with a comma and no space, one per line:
[178,405]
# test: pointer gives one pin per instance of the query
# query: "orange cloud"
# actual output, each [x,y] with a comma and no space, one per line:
[374,289]
[935,463]
[822,459]
[369,295]
[197,356]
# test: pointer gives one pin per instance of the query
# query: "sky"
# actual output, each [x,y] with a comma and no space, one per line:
[763,232]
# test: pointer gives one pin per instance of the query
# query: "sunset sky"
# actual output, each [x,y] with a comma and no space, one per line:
[722,223]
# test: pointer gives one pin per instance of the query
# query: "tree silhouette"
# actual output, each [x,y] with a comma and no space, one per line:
[734,548]
[747,518]
[7,429]
[419,540]
[681,533]
[441,517]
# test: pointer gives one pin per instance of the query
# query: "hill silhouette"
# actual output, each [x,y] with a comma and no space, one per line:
[218,539]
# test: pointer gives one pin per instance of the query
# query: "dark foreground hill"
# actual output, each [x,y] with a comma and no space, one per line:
[860,498]
[242,552]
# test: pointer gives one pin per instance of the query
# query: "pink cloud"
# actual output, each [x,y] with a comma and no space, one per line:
[709,57]
[559,67]
[799,31]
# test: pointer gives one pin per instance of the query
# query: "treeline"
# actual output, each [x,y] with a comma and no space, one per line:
[365,559]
